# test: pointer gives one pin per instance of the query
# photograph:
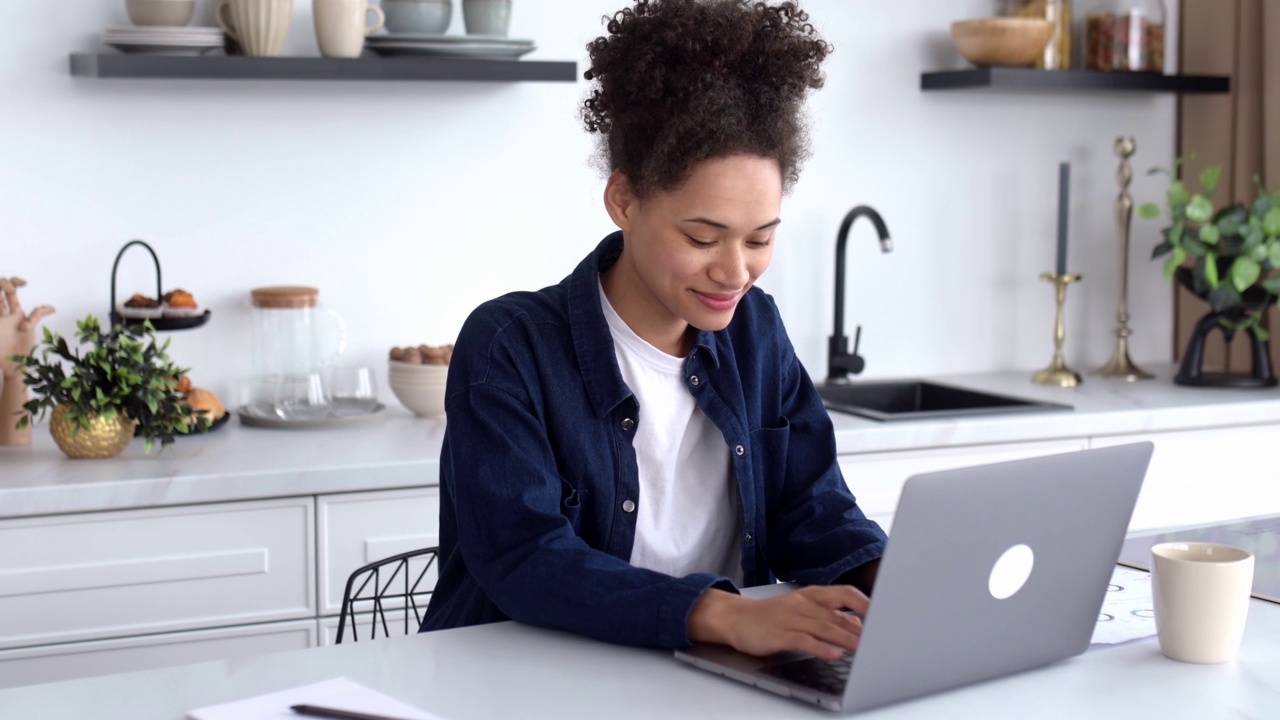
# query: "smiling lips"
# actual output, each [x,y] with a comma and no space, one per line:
[718,303]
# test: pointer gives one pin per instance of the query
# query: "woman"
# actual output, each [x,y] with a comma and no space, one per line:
[626,448]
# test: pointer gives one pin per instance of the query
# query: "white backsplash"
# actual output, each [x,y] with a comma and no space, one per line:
[409,203]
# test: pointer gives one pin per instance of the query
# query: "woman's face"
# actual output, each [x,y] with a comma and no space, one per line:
[693,252]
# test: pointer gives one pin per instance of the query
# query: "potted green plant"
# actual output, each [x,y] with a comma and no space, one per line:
[1228,256]
[123,384]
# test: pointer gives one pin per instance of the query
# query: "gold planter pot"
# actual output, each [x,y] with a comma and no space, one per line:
[103,439]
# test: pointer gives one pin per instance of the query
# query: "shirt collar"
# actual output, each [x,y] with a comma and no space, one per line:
[592,340]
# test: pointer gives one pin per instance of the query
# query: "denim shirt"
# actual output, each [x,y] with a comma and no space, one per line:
[538,477]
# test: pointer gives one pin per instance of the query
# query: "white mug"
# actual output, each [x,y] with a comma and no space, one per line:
[260,26]
[341,26]
[1201,592]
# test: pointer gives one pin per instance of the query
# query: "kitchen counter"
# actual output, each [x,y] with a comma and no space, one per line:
[240,463]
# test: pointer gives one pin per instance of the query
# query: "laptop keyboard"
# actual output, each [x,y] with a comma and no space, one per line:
[828,676]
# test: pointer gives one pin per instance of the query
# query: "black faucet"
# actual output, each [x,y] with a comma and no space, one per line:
[840,362]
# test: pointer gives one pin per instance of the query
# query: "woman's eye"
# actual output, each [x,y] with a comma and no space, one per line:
[760,243]
[699,243]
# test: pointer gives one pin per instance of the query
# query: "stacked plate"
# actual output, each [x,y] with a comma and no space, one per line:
[161,40]
[472,46]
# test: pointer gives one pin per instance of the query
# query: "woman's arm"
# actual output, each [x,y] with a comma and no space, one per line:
[817,533]
[523,552]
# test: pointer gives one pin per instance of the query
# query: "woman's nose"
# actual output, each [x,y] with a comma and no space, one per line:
[730,269]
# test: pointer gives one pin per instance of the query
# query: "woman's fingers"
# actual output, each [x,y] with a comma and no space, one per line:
[809,645]
[839,597]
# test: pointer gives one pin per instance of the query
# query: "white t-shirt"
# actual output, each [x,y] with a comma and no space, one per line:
[687,515]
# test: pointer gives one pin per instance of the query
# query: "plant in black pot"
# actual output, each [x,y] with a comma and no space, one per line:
[122,383]
[1230,258]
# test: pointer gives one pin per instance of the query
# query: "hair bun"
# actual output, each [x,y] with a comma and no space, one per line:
[682,81]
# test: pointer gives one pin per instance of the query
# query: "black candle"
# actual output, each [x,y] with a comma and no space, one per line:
[1064,206]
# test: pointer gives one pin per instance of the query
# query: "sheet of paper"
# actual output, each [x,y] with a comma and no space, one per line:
[336,693]
[1127,612]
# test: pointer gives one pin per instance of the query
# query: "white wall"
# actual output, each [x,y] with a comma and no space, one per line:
[410,203]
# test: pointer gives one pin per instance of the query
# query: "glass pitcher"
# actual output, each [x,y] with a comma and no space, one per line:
[291,346]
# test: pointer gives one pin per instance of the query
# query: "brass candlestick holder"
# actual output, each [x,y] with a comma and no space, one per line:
[1120,366]
[1058,373]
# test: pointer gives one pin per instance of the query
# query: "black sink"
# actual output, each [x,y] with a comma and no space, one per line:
[916,400]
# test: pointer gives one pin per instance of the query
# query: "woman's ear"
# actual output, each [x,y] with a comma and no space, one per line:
[620,200]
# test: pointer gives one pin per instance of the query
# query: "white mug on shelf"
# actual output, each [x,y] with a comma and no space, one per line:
[341,26]
[259,26]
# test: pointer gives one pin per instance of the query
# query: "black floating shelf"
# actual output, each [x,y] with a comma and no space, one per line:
[224,67]
[1072,80]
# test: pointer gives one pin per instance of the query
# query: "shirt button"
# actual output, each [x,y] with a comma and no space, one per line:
[740,450]
[628,506]
[627,424]
[748,537]
[694,380]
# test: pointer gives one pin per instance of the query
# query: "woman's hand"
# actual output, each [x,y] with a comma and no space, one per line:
[812,620]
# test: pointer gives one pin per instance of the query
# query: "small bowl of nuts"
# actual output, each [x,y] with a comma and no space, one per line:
[417,377]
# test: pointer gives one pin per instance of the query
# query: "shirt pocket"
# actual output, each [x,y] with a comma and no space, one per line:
[769,447]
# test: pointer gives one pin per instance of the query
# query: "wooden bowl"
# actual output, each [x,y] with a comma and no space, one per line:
[1002,42]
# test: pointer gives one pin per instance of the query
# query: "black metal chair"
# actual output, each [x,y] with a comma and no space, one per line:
[369,589]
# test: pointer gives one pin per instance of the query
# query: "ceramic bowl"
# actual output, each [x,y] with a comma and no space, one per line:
[421,400]
[167,13]
[1002,42]
[428,17]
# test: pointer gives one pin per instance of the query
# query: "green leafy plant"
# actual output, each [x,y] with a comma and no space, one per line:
[1235,250]
[122,370]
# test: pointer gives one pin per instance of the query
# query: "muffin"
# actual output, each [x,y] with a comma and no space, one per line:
[140,307]
[180,303]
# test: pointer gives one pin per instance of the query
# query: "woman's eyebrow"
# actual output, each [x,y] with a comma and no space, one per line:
[722,226]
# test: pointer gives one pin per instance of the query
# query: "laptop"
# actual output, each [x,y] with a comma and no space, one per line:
[991,570]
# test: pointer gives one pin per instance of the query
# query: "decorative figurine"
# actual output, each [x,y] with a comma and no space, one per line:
[17,337]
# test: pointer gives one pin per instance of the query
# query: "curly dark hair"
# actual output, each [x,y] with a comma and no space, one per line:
[684,81]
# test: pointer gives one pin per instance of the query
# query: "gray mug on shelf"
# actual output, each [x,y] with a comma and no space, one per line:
[486,17]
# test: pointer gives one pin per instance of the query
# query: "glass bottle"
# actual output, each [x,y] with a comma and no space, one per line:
[1057,54]
[1125,35]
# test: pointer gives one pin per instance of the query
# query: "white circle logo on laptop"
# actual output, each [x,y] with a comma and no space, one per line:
[1011,571]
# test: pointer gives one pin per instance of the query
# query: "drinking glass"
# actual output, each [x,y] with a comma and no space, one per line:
[353,390]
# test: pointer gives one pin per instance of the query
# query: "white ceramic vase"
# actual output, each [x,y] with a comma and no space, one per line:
[260,26]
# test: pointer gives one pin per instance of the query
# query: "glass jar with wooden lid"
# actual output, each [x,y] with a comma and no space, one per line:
[1125,35]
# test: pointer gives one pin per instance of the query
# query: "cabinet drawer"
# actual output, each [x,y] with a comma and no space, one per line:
[101,575]
[876,479]
[359,528]
[1206,476]
[29,666]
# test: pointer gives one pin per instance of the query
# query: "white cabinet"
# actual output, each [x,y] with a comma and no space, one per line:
[27,666]
[99,575]
[876,479]
[358,528]
[1204,476]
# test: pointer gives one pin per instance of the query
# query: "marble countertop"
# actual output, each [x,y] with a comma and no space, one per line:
[242,463]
